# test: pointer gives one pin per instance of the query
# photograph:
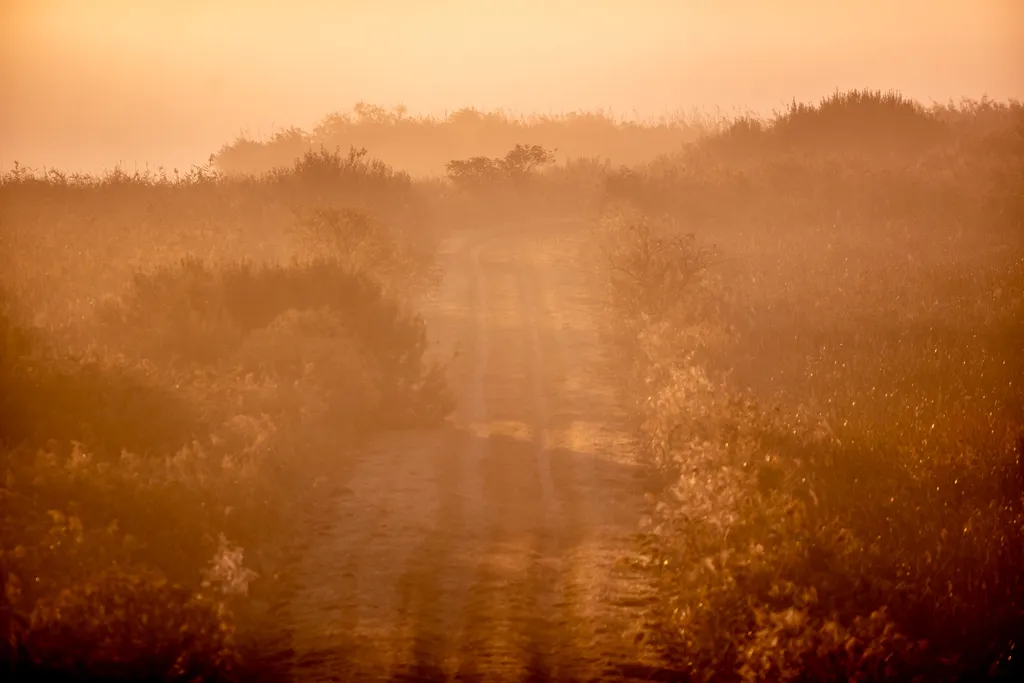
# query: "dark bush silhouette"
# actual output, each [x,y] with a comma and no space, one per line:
[848,121]
[423,144]
[850,124]
[516,167]
[199,314]
[126,626]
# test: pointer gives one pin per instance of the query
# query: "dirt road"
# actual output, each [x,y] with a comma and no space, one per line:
[497,548]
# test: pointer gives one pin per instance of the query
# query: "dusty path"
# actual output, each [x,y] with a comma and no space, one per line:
[495,549]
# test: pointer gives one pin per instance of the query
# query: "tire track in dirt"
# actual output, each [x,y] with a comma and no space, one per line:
[612,593]
[439,580]
[536,605]
[497,646]
[489,549]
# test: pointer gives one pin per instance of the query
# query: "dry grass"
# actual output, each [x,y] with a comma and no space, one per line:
[832,399]
[181,360]
[819,320]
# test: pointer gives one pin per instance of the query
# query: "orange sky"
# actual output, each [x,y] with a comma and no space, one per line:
[85,84]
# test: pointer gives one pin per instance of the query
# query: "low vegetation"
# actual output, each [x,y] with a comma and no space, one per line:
[817,322]
[424,145]
[826,383]
[166,432]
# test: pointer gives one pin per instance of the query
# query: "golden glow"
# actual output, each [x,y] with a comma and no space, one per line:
[94,82]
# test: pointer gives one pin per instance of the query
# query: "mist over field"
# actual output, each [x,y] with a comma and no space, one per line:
[88,86]
[501,342]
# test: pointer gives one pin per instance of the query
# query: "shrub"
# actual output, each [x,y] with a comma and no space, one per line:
[103,563]
[127,626]
[859,161]
[423,144]
[314,352]
[846,124]
[202,315]
[653,268]
[857,119]
[516,167]
[353,172]
[404,263]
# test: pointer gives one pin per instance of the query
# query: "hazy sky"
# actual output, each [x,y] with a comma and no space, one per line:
[85,84]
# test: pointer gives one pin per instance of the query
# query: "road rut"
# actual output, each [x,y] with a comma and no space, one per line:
[499,547]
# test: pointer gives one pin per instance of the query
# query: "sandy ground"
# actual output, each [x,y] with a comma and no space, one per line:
[499,547]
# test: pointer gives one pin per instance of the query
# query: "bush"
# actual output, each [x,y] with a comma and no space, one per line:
[314,352]
[403,263]
[516,167]
[860,120]
[327,174]
[846,124]
[653,268]
[103,562]
[860,161]
[122,626]
[423,145]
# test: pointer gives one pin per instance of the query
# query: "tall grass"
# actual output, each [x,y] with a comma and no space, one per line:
[830,396]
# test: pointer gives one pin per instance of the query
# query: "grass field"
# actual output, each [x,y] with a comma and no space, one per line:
[816,324]
[821,333]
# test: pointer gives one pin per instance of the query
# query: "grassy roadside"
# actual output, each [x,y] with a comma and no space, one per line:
[832,410]
[171,427]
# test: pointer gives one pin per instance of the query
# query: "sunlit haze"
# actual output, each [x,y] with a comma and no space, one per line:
[87,85]
[512,340]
